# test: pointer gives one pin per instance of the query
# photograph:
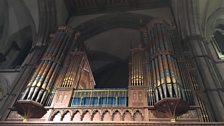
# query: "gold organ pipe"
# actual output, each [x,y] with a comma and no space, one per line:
[56,67]
[50,83]
[39,75]
[133,67]
[40,82]
[51,70]
[67,77]
[138,66]
[45,83]
[143,70]
[135,71]
[46,71]
[32,80]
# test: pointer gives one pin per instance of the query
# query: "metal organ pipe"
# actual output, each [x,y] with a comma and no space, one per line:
[43,79]
[166,82]
[163,64]
[137,66]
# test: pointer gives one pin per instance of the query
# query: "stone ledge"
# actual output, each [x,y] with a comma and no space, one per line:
[4,123]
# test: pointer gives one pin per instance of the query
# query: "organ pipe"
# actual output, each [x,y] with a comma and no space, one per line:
[42,81]
[137,67]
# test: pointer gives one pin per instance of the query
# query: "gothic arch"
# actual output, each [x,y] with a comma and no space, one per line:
[211,22]
[96,116]
[57,116]
[117,116]
[96,110]
[138,116]
[86,116]
[127,116]
[76,116]
[111,21]
[106,116]
[67,115]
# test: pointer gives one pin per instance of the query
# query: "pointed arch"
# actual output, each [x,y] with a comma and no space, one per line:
[76,116]
[57,117]
[116,116]
[67,116]
[138,116]
[106,116]
[96,116]
[86,117]
[127,116]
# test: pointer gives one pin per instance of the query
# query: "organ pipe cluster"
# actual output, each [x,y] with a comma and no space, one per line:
[137,66]
[42,81]
[164,72]
[72,72]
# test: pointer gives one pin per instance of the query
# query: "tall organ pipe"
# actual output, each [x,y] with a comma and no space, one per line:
[43,78]
[137,66]
[166,79]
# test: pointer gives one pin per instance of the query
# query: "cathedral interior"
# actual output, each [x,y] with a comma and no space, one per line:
[112,62]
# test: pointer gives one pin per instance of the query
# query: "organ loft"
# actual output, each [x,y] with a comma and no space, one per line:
[111,62]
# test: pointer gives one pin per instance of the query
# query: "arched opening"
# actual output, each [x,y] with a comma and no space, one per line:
[106,116]
[96,116]
[77,117]
[138,116]
[57,117]
[108,39]
[86,117]
[127,116]
[67,116]
[117,116]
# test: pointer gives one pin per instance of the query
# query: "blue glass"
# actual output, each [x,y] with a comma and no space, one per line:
[103,101]
[86,101]
[94,101]
[112,101]
[76,102]
[122,101]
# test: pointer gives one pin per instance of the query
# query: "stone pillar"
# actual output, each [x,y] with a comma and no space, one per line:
[211,82]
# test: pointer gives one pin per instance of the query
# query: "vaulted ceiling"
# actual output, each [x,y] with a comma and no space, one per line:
[79,7]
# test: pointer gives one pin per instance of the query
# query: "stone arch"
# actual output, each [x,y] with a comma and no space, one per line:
[115,110]
[97,110]
[86,116]
[127,116]
[67,116]
[138,116]
[76,116]
[211,21]
[111,21]
[106,116]
[106,110]
[96,116]
[57,116]
[116,116]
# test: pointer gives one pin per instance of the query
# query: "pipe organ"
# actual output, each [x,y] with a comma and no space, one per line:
[78,73]
[137,70]
[41,84]
[166,88]
[137,67]
[159,86]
